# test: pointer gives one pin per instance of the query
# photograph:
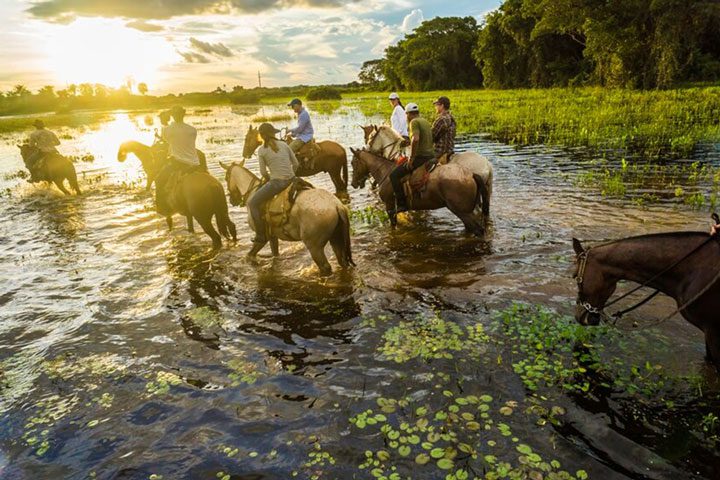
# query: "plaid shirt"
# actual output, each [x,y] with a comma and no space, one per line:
[443,131]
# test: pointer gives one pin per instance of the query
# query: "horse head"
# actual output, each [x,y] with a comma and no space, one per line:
[594,288]
[367,130]
[239,181]
[25,150]
[252,142]
[360,169]
[122,154]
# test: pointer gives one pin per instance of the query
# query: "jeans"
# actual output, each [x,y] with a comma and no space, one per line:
[257,203]
[397,175]
[296,145]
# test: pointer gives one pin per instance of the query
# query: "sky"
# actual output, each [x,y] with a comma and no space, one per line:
[197,45]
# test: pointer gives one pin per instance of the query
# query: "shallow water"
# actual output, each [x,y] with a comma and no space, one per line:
[129,351]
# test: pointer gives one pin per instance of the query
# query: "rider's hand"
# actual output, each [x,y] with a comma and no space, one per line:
[715,229]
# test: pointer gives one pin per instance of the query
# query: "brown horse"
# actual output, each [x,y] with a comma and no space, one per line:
[644,260]
[151,158]
[331,159]
[201,196]
[450,185]
[55,169]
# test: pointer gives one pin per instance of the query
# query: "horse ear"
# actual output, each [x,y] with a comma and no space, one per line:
[577,246]
[249,128]
[242,162]
[224,166]
[353,150]
[375,127]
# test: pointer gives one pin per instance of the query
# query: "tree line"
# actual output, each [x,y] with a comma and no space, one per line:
[557,43]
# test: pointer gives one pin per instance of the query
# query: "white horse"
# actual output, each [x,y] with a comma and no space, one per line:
[316,218]
[383,140]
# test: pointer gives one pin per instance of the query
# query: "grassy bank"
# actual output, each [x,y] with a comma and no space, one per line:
[78,119]
[647,124]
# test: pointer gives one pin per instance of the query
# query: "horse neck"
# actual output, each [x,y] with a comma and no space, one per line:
[252,181]
[379,167]
[641,258]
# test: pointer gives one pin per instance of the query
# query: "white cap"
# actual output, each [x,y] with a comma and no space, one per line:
[412,107]
[394,96]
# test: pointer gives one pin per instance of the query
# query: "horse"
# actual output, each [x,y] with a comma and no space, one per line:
[201,196]
[316,218]
[383,140]
[55,169]
[682,265]
[152,158]
[451,185]
[332,159]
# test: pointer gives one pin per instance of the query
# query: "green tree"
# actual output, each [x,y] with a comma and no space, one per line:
[371,72]
[142,88]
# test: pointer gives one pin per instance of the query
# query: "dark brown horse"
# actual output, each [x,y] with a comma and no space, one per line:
[201,196]
[450,185]
[151,158]
[644,260]
[332,159]
[55,169]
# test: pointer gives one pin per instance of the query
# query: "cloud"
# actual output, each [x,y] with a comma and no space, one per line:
[192,57]
[412,20]
[217,49]
[155,9]
[144,26]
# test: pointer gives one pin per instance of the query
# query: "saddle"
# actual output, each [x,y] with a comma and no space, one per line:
[307,154]
[414,184]
[277,210]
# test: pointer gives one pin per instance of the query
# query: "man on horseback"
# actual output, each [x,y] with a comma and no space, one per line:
[44,142]
[277,164]
[182,155]
[421,152]
[443,130]
[303,133]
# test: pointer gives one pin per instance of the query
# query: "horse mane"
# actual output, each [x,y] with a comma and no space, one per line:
[654,236]
[133,145]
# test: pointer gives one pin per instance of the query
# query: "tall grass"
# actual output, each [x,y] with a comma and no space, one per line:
[648,124]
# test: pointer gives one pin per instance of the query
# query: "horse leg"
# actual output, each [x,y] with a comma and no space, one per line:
[472,223]
[169,221]
[274,246]
[190,224]
[337,181]
[318,255]
[59,183]
[207,226]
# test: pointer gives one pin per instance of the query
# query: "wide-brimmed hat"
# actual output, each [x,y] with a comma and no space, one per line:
[412,108]
[267,130]
[294,101]
[38,123]
[445,101]
[394,96]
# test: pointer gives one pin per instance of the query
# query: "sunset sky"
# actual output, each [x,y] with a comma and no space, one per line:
[194,45]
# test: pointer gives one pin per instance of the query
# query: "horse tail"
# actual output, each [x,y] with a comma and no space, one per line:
[345,171]
[222,217]
[341,238]
[482,198]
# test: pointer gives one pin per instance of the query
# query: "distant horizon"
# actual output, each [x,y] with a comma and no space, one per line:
[179,48]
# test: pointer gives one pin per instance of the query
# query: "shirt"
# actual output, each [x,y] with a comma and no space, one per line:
[181,142]
[419,127]
[44,140]
[281,164]
[304,130]
[398,120]
[443,132]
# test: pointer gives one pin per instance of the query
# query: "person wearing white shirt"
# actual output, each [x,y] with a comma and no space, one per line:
[398,120]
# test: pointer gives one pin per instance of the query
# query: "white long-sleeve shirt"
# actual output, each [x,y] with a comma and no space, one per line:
[181,140]
[398,121]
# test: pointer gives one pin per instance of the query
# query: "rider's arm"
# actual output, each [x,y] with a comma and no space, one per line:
[303,120]
[414,142]
[437,129]
[261,164]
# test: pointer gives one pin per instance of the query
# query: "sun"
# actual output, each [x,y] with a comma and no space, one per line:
[105,51]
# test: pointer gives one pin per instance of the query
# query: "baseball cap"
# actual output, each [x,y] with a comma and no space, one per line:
[445,101]
[294,101]
[394,96]
[267,129]
[412,107]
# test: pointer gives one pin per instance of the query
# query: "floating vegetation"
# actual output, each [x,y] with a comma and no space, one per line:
[22,174]
[100,367]
[205,317]
[431,338]
[48,412]
[221,140]
[87,158]
[243,372]
[370,215]
[162,383]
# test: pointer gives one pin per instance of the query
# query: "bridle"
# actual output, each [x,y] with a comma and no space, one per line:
[374,136]
[582,259]
[370,172]
[254,185]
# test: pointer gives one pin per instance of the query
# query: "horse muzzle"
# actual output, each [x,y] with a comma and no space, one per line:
[585,317]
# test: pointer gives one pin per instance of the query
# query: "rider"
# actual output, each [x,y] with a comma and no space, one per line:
[398,121]
[304,132]
[443,130]
[44,141]
[277,164]
[182,155]
[421,151]
[164,117]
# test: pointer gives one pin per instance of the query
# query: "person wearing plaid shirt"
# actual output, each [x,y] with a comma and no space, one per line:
[443,130]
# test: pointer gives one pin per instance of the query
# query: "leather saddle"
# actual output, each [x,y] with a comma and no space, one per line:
[415,183]
[277,210]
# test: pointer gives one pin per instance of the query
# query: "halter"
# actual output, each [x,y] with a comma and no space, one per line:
[582,259]
[370,171]
[374,136]
[254,185]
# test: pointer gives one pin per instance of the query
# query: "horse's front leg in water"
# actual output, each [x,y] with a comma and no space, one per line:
[274,246]
[191,226]
[169,221]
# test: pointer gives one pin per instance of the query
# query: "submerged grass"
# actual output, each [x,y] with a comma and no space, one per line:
[649,124]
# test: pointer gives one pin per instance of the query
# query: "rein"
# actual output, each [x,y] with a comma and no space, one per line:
[374,137]
[254,185]
[583,257]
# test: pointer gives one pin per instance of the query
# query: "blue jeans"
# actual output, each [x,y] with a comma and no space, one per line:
[257,203]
